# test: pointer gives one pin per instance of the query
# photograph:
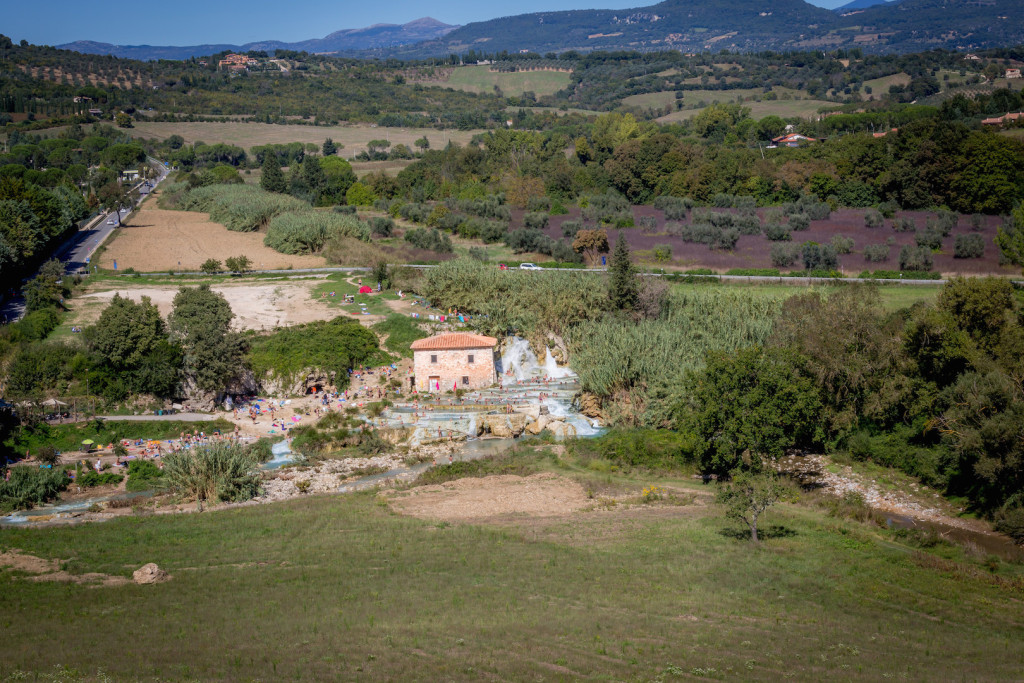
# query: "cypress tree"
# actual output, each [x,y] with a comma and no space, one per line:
[272,179]
[622,289]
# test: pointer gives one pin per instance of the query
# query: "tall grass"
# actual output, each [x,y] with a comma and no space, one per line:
[220,471]
[243,208]
[31,486]
[304,232]
[643,365]
[517,301]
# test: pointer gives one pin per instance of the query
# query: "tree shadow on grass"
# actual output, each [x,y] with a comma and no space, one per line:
[764,534]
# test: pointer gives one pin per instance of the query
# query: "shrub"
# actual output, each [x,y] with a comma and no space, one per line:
[785,255]
[777,233]
[308,231]
[747,223]
[819,257]
[220,471]
[535,220]
[570,228]
[929,238]
[382,227]
[652,450]
[799,222]
[675,208]
[47,455]
[93,478]
[727,239]
[904,224]
[647,224]
[873,219]
[876,253]
[915,258]
[30,486]
[888,209]
[238,264]
[662,252]
[351,210]
[842,244]
[944,222]
[429,238]
[969,246]
[143,475]
[977,221]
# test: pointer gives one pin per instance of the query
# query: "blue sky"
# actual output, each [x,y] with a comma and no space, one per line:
[194,22]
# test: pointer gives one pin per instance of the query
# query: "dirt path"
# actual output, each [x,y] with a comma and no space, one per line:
[40,569]
[257,306]
[912,500]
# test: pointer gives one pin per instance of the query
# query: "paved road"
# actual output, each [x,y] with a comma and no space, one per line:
[76,252]
[179,417]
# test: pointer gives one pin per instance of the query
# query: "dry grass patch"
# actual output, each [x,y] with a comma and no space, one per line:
[248,135]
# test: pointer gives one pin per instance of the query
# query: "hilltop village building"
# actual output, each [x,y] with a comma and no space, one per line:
[456,360]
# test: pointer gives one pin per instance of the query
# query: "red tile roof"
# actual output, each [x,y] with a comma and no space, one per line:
[454,340]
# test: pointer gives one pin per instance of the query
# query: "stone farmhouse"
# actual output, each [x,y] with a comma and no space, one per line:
[455,360]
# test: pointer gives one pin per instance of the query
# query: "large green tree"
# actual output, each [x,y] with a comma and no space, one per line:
[623,290]
[201,324]
[131,353]
[746,407]
[272,179]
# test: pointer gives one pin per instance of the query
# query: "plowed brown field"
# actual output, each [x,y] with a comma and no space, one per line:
[158,239]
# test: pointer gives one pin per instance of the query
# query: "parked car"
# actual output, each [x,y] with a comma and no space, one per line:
[502,266]
[111,221]
[529,266]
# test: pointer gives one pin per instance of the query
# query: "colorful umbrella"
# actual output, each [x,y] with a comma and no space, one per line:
[365,289]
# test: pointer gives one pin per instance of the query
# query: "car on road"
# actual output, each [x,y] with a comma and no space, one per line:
[529,266]
[110,221]
[502,266]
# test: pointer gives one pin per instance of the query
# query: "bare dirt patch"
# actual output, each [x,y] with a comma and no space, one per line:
[163,240]
[40,569]
[539,495]
[256,306]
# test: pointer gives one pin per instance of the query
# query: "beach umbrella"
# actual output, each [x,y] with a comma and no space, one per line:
[88,442]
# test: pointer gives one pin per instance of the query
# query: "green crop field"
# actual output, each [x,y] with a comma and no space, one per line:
[758,110]
[880,86]
[481,79]
[249,135]
[342,588]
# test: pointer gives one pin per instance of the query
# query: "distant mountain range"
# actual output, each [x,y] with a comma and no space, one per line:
[859,5]
[346,41]
[745,25]
[685,25]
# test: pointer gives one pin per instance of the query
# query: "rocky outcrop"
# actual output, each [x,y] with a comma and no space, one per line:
[150,573]
[559,349]
[297,384]
[561,430]
[502,426]
[538,425]
[531,411]
[589,404]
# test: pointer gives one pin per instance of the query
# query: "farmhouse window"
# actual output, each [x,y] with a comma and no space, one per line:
[470,358]
[433,359]
[465,380]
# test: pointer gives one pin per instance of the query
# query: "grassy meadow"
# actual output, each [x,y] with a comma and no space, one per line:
[480,79]
[340,587]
